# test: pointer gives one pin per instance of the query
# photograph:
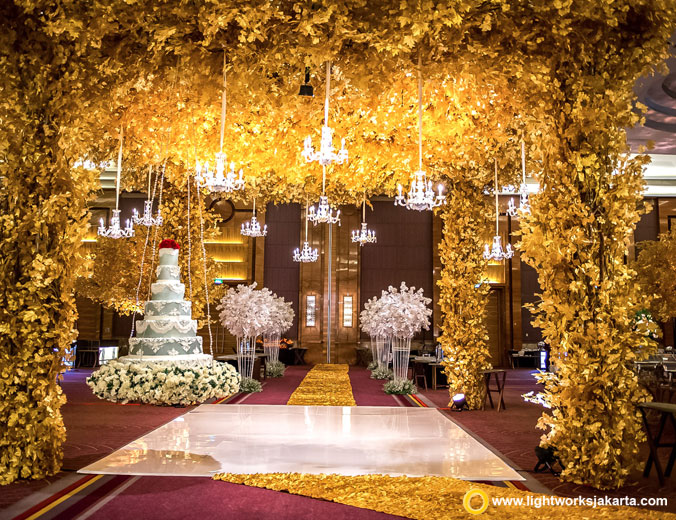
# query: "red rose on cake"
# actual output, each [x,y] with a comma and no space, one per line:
[168,243]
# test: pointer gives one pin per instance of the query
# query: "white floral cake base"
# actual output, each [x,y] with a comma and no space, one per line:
[164,382]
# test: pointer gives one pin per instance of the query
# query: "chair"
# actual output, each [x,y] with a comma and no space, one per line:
[666,412]
[418,372]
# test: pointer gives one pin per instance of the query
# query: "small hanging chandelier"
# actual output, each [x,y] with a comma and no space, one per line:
[223,178]
[306,254]
[147,219]
[115,231]
[323,213]
[421,196]
[365,235]
[326,154]
[524,203]
[252,228]
[496,252]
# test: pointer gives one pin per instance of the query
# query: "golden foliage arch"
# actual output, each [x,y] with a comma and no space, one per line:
[558,74]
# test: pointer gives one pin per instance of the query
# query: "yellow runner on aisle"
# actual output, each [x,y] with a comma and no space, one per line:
[324,385]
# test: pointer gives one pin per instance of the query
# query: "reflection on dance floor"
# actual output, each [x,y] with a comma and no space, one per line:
[308,439]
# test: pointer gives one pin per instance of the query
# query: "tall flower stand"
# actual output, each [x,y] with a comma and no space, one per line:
[271,347]
[383,352]
[246,355]
[401,350]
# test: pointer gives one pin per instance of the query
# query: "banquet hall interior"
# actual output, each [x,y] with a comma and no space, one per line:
[351,259]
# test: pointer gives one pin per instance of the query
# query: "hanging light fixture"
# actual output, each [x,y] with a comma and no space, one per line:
[365,235]
[326,155]
[222,178]
[421,196]
[306,254]
[496,252]
[147,219]
[252,228]
[115,231]
[524,203]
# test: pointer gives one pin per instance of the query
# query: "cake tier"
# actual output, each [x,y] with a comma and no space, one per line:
[168,256]
[165,346]
[168,272]
[167,290]
[159,309]
[167,327]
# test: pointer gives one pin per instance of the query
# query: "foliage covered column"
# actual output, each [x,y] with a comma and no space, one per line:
[42,221]
[463,294]
[577,240]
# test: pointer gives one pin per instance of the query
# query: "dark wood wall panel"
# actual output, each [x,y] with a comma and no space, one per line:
[403,251]
[529,287]
[281,273]
[649,226]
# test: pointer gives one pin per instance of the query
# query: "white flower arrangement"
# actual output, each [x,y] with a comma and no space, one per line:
[246,312]
[398,312]
[163,382]
[281,315]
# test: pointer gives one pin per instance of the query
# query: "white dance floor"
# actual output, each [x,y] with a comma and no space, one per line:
[308,439]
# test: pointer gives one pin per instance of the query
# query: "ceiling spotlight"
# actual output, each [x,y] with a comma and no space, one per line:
[306,89]
[459,403]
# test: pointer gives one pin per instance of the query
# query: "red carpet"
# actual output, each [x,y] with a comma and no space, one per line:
[184,497]
[276,390]
[369,392]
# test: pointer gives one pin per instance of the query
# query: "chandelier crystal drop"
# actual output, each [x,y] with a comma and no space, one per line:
[115,231]
[524,203]
[222,177]
[421,196]
[326,154]
[252,228]
[306,254]
[364,235]
[496,252]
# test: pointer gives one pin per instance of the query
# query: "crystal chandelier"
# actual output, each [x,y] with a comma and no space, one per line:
[147,219]
[222,178]
[323,213]
[421,196]
[524,203]
[306,254]
[252,228]
[115,231]
[326,154]
[496,252]
[365,235]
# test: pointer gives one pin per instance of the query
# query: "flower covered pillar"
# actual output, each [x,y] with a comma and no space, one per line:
[43,219]
[464,293]
[583,218]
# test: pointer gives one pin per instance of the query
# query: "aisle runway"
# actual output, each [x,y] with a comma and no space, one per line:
[308,439]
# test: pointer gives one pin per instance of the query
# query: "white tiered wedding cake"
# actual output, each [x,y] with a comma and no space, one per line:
[167,331]
[165,364]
